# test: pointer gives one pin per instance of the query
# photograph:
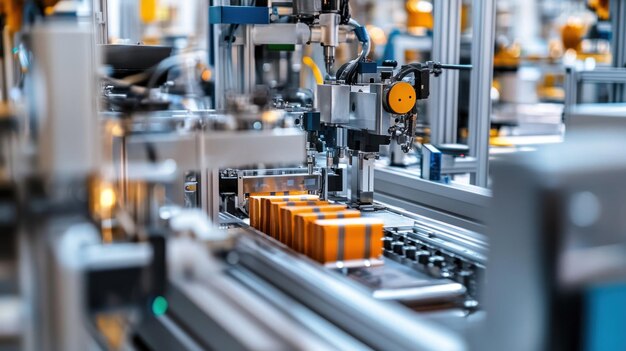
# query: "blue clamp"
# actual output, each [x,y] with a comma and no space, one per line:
[239,15]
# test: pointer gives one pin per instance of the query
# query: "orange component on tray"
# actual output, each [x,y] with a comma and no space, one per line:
[301,241]
[266,206]
[255,204]
[287,213]
[254,201]
[275,212]
[336,240]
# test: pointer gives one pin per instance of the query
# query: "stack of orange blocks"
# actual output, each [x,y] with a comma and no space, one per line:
[321,230]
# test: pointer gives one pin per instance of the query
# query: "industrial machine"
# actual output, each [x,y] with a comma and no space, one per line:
[149,195]
[135,233]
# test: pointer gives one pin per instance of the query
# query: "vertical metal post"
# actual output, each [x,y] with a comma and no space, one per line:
[100,21]
[208,181]
[210,188]
[571,91]
[219,54]
[234,62]
[443,107]
[130,25]
[618,45]
[362,178]
[9,65]
[483,22]
[249,65]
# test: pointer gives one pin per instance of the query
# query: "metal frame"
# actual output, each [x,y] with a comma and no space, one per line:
[574,78]
[618,46]
[444,102]
[462,165]
[243,79]
[483,19]
[209,152]
[462,206]
[443,107]
[101,13]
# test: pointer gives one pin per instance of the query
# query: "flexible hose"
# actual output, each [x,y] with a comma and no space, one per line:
[317,73]
[365,40]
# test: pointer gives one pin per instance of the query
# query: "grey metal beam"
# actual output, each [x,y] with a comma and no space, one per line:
[574,78]
[603,75]
[461,166]
[618,44]
[430,213]
[483,19]
[443,107]
[463,206]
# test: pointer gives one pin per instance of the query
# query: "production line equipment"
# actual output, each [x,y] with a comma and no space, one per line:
[360,107]
[200,241]
[168,226]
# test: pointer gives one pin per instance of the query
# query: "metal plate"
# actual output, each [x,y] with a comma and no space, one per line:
[285,182]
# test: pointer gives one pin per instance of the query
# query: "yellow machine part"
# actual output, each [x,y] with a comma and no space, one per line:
[13,11]
[508,56]
[401,98]
[419,14]
[572,34]
[465,17]
[551,88]
[148,10]
[601,7]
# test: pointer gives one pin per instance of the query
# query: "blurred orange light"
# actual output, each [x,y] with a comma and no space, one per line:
[207,74]
[107,198]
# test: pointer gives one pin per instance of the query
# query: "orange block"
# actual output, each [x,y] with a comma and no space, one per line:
[266,207]
[302,236]
[335,240]
[287,213]
[274,214]
[254,204]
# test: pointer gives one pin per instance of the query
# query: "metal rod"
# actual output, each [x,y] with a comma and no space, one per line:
[456,67]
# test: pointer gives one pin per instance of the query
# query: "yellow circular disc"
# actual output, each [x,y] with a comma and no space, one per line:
[401,98]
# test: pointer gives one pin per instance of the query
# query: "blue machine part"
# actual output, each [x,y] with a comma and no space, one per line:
[239,15]
[605,308]
[311,121]
[431,163]
[367,67]
[361,34]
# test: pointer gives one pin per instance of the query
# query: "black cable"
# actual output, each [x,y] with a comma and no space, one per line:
[406,70]
[345,12]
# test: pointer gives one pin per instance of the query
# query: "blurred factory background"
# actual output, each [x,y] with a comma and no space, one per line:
[312,175]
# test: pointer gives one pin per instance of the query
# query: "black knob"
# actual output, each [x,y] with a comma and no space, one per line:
[390,63]
[409,252]
[437,261]
[464,277]
[387,243]
[397,247]
[422,256]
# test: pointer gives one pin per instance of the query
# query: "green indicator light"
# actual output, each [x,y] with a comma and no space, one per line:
[159,306]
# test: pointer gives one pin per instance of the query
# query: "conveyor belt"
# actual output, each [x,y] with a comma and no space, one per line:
[389,281]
